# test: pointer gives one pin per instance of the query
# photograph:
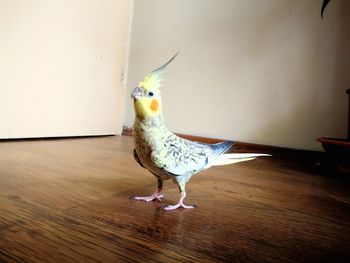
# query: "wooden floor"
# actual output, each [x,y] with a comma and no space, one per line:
[67,201]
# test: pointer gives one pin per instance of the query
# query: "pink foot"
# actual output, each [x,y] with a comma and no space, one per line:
[179,204]
[173,207]
[156,196]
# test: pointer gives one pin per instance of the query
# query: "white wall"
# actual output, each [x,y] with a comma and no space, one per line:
[60,64]
[260,71]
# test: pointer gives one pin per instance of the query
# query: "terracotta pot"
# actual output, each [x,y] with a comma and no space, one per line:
[336,147]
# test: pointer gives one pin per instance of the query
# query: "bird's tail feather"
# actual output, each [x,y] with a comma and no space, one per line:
[230,158]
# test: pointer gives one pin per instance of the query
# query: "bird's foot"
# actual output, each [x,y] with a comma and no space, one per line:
[155,196]
[173,207]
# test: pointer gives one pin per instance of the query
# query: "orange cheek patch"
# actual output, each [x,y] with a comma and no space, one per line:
[154,105]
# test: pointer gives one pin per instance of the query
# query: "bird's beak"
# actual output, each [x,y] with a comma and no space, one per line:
[136,93]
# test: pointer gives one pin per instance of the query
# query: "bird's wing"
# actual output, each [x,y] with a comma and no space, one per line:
[178,156]
[218,149]
[137,159]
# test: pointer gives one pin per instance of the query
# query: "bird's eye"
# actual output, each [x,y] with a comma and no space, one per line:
[150,93]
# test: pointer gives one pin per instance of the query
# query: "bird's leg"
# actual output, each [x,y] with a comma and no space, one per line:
[156,195]
[180,203]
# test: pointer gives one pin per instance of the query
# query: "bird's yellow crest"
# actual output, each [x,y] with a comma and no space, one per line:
[147,99]
[154,79]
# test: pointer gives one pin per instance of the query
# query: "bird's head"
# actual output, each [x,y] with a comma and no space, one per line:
[146,95]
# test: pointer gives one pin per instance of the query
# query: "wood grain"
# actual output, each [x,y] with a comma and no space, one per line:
[66,200]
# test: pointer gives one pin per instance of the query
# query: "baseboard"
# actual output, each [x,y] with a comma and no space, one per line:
[63,137]
[252,147]
[127,131]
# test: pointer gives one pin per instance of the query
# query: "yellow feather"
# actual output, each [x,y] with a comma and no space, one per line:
[152,81]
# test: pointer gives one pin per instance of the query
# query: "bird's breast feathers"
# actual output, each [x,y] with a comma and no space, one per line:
[159,149]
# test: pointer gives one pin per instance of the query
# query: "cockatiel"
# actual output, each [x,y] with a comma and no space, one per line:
[166,155]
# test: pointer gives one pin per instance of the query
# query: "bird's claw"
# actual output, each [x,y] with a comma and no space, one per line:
[148,198]
[173,207]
